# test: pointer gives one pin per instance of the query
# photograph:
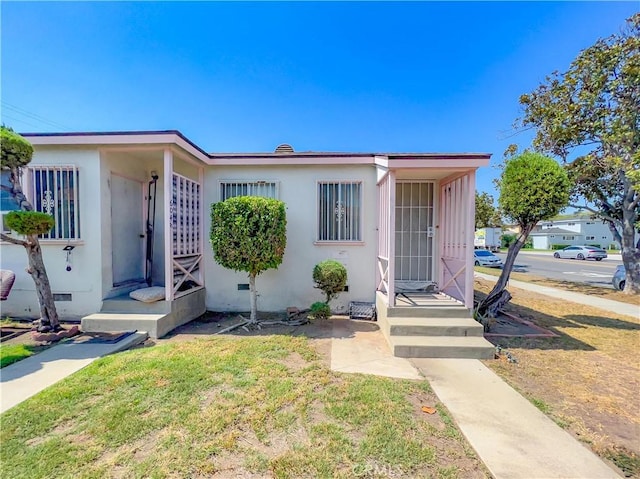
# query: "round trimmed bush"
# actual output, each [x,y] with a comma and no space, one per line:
[29,222]
[330,276]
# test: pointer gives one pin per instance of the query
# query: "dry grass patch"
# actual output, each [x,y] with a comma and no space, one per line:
[584,288]
[587,379]
[231,407]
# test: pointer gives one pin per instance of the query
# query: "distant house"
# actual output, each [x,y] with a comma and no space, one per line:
[399,222]
[573,230]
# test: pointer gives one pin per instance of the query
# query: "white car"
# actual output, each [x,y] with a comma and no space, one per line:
[482,257]
[581,252]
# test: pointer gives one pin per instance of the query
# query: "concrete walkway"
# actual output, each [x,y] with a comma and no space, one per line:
[510,435]
[600,303]
[28,377]
[360,347]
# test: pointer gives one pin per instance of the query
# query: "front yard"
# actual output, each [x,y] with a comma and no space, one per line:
[263,406]
[587,378]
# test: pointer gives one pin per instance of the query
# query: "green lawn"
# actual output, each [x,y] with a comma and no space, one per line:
[11,353]
[231,407]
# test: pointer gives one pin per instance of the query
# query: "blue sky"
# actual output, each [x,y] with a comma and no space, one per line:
[327,76]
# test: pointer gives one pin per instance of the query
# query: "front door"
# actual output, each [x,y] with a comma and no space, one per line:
[414,232]
[127,230]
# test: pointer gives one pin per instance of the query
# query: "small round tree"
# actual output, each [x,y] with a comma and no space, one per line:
[249,233]
[330,276]
[533,187]
[16,154]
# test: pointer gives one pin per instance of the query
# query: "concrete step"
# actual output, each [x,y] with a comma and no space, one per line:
[435,310]
[110,322]
[435,327]
[125,304]
[470,347]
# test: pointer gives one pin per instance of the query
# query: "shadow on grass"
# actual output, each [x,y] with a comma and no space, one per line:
[213,322]
[556,324]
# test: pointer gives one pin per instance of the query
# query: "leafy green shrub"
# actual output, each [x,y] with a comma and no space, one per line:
[249,233]
[330,276]
[320,310]
[506,240]
[29,222]
[16,151]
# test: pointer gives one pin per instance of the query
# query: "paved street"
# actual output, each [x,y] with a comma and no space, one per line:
[597,273]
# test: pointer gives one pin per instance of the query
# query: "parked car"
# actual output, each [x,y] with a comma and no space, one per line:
[581,252]
[482,257]
[619,276]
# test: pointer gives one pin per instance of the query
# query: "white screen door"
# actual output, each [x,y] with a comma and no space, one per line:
[414,231]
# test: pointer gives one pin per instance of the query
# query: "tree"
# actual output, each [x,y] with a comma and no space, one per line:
[330,276]
[249,234]
[591,112]
[487,216]
[16,154]
[532,188]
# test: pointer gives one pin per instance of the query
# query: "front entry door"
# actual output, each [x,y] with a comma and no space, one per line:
[414,231]
[127,230]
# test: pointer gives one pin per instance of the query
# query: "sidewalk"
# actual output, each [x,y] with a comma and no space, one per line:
[600,303]
[510,435]
[28,377]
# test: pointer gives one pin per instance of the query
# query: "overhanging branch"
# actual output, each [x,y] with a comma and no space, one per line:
[9,239]
[595,212]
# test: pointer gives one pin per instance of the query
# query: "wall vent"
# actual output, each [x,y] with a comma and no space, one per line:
[62,297]
[243,286]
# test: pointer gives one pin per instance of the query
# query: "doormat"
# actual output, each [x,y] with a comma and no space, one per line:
[103,338]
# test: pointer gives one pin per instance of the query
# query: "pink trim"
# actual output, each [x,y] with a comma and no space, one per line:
[470,237]
[168,226]
[289,160]
[443,163]
[392,239]
[120,139]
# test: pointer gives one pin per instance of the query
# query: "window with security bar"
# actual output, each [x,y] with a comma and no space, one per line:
[7,201]
[54,190]
[231,189]
[340,211]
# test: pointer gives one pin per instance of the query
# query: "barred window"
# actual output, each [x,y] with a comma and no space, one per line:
[340,211]
[54,190]
[7,201]
[231,189]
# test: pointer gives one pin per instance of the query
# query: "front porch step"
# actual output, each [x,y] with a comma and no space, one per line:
[410,326]
[125,304]
[110,322]
[470,347]
[437,309]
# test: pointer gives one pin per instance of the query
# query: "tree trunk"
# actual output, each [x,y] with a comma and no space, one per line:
[496,295]
[630,252]
[254,298]
[37,270]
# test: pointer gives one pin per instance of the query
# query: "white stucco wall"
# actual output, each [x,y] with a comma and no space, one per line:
[83,282]
[292,284]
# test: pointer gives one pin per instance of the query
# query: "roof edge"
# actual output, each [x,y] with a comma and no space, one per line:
[117,133]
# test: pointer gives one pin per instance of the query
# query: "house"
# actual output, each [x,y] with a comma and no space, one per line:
[401,223]
[572,230]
